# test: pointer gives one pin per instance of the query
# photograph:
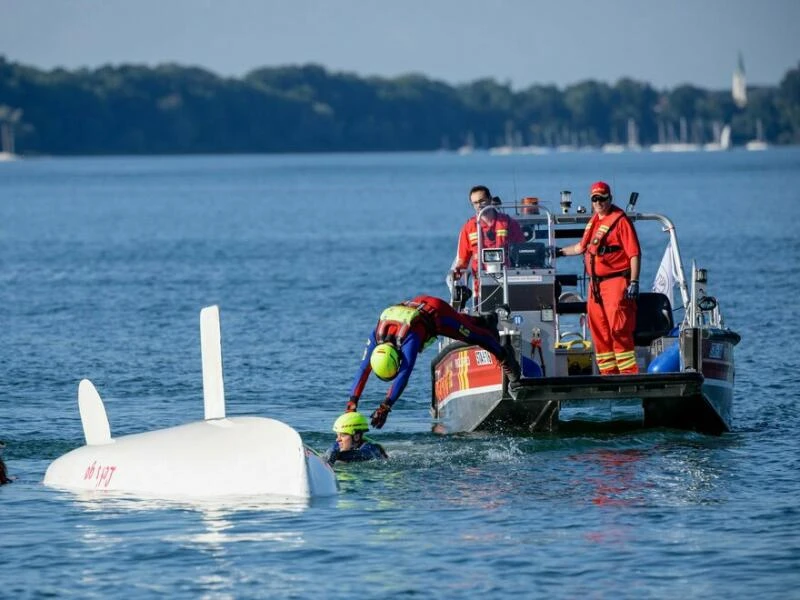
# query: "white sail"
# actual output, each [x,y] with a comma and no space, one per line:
[759,143]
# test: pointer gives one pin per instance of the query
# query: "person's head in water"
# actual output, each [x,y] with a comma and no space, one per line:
[350,428]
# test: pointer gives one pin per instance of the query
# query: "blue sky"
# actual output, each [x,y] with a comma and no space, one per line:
[523,42]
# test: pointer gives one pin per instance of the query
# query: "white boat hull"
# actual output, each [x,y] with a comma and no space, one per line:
[218,457]
[224,457]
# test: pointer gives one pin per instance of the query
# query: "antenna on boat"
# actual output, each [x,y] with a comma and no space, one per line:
[514,180]
[632,202]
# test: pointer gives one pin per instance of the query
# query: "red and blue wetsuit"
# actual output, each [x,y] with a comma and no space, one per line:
[413,325]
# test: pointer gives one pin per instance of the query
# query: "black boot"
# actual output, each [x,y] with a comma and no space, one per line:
[511,369]
[487,322]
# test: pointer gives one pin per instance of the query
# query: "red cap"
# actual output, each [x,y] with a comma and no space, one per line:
[600,188]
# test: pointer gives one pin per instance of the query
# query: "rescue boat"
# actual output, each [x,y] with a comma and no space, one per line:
[685,353]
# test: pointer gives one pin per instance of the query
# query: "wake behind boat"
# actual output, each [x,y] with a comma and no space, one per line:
[686,370]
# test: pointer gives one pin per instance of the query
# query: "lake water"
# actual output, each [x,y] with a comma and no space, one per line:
[106,262]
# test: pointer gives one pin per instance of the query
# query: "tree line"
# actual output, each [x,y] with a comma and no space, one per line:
[170,109]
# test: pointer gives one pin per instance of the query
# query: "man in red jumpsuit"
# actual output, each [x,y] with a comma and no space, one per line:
[612,255]
[497,229]
[404,331]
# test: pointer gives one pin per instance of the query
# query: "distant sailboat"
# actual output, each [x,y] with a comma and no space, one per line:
[759,143]
[739,86]
[8,119]
[683,145]
[723,141]
[469,145]
[632,144]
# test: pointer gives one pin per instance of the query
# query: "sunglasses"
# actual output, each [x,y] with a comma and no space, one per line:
[599,199]
[482,202]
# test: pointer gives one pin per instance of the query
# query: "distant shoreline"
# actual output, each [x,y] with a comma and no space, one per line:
[175,110]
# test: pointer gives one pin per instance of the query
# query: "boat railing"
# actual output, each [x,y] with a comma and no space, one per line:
[544,229]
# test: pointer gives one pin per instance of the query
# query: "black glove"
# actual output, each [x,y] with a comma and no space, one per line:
[352,405]
[559,252]
[632,293]
[378,418]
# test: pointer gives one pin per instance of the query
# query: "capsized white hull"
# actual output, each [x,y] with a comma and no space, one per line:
[223,457]
[217,457]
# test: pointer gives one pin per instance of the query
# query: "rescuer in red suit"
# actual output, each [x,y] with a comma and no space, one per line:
[612,255]
[497,228]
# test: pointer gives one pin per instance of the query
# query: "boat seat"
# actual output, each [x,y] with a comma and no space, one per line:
[653,318]
[568,279]
[653,314]
[571,303]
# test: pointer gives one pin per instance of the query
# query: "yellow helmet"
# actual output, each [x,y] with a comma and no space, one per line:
[385,361]
[350,423]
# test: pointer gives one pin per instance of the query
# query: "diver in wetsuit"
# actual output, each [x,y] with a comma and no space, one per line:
[404,331]
[351,444]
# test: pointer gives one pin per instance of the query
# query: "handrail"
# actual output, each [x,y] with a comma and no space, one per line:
[546,217]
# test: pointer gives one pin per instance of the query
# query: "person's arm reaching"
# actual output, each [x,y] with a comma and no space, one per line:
[573,250]
[360,380]
[409,350]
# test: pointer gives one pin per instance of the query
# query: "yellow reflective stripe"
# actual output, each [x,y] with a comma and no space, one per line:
[625,360]
[473,237]
[463,369]
[399,313]
[606,361]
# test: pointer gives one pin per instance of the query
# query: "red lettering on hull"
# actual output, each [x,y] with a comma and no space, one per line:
[465,369]
[100,474]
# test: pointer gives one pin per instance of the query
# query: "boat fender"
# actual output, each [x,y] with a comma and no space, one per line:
[530,368]
[669,361]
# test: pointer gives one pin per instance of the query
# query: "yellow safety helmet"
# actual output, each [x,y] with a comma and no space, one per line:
[350,423]
[385,361]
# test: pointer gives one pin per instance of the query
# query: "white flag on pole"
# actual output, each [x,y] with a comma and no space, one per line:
[665,277]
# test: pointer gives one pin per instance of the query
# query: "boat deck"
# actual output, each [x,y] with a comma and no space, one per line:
[674,400]
[616,387]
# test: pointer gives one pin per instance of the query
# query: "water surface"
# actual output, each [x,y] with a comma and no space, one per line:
[105,264]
